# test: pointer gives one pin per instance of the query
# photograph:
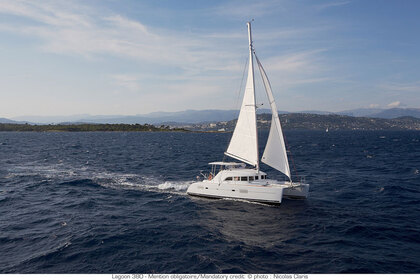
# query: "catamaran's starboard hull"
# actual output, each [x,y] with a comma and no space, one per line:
[297,191]
[264,194]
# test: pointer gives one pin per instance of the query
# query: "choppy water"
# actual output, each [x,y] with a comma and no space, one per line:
[116,202]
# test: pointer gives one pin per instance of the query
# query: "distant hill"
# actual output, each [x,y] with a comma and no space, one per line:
[361,112]
[4,120]
[50,119]
[292,121]
[299,121]
[382,113]
[396,113]
[311,112]
[187,116]
[203,116]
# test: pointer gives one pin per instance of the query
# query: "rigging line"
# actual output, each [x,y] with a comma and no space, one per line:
[242,82]
[238,96]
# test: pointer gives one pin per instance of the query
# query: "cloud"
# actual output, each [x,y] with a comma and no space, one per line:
[78,30]
[395,104]
[372,106]
[130,82]
[165,62]
[298,68]
[298,61]
[71,29]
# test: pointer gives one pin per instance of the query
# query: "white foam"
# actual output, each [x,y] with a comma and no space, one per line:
[178,186]
[140,182]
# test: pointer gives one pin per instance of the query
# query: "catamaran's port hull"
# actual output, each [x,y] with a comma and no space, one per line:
[243,199]
[265,194]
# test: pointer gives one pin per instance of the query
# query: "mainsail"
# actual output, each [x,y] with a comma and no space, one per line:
[244,143]
[275,150]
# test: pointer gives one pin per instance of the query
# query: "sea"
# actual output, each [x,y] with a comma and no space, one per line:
[116,202]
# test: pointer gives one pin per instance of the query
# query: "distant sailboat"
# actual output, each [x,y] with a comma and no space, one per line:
[326,130]
[234,180]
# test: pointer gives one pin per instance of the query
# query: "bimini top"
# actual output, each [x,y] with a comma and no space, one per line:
[239,164]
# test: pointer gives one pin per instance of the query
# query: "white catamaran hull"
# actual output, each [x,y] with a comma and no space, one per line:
[266,194]
[296,191]
[273,193]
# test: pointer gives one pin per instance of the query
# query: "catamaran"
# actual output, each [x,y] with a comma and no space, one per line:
[236,180]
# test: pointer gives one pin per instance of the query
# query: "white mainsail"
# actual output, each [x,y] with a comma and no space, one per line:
[244,142]
[275,154]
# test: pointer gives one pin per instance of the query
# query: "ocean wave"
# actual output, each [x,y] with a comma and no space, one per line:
[128,211]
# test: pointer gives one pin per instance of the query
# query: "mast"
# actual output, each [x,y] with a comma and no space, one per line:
[251,62]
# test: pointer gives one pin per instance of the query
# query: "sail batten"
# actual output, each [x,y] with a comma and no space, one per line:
[275,154]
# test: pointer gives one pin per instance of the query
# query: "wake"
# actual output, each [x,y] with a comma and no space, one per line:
[62,173]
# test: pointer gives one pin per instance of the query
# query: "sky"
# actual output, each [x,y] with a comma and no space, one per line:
[121,57]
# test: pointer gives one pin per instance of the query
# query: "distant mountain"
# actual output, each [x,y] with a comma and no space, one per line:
[397,113]
[115,119]
[361,112]
[299,121]
[188,116]
[73,123]
[51,119]
[201,116]
[4,120]
[313,112]
[181,117]
[291,121]
[196,116]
